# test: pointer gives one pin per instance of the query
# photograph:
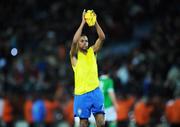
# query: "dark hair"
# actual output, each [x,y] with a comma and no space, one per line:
[83,35]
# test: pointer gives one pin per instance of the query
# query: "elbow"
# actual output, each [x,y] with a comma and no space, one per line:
[102,37]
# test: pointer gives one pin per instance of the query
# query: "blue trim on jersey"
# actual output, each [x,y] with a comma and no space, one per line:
[92,101]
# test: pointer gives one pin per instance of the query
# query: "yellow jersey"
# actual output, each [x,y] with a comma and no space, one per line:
[85,72]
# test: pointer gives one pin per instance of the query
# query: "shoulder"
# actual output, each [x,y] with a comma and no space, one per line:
[90,49]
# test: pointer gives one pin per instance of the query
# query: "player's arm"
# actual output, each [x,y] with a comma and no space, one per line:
[74,44]
[113,98]
[112,94]
[101,37]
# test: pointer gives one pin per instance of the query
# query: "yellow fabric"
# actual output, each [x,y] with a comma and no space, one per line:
[85,72]
[90,18]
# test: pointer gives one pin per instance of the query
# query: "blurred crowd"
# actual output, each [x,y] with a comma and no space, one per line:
[40,72]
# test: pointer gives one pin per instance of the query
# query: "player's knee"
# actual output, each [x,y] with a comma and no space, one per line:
[100,123]
[84,123]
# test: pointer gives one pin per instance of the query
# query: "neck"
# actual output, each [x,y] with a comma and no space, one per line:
[83,50]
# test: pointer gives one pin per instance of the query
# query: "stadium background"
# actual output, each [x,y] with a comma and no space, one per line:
[141,51]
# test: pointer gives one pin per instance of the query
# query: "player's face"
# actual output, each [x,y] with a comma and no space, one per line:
[83,43]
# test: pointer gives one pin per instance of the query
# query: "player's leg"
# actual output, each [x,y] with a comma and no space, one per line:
[92,121]
[84,122]
[98,107]
[100,121]
[82,109]
[81,122]
[111,116]
[76,122]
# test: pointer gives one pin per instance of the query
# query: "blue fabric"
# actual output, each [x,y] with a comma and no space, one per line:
[92,101]
[38,111]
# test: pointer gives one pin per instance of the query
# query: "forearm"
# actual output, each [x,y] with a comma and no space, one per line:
[76,37]
[99,42]
[78,33]
[113,98]
[99,31]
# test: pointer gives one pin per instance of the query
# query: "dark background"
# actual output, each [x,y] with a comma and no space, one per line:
[141,50]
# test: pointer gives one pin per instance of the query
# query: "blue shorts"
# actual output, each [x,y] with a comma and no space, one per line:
[91,102]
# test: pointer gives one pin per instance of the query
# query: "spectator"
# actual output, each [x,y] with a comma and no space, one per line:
[142,112]
[172,112]
[39,112]
[125,104]
[8,117]
[68,112]
[28,112]
[50,107]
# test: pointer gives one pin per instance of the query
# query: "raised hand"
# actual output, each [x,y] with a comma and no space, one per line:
[83,16]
